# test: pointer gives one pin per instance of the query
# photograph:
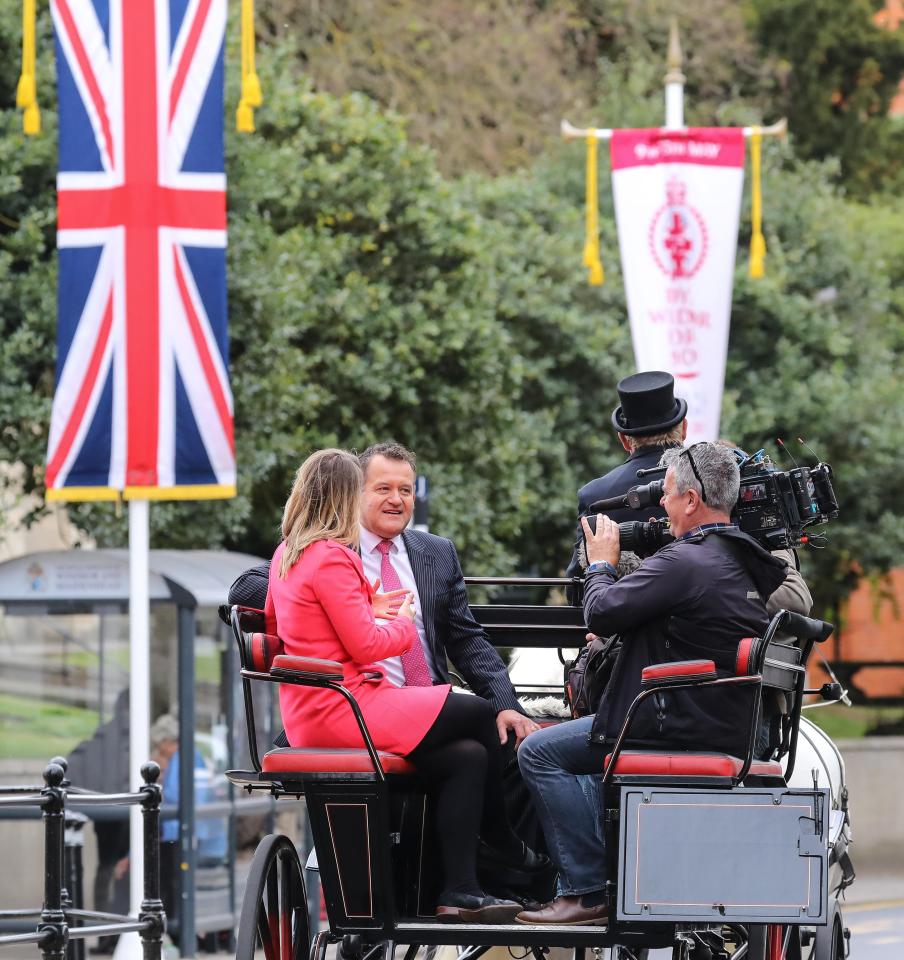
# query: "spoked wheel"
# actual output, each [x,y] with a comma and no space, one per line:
[274,919]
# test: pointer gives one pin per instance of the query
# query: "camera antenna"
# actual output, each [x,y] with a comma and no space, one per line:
[806,446]
[782,444]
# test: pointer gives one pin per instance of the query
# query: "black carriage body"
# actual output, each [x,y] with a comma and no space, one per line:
[722,845]
[747,855]
[376,853]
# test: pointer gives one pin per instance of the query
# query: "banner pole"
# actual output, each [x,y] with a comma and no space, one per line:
[674,81]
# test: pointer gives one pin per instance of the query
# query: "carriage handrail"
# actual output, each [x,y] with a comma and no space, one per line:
[724,681]
[350,698]
[248,675]
[807,629]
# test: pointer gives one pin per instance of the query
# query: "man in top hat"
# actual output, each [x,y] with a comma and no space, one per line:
[648,420]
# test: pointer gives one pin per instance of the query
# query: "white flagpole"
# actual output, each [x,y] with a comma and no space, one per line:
[674,81]
[129,946]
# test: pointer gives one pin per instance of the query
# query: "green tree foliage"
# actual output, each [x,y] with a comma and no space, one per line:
[484,83]
[841,72]
[27,257]
[370,297]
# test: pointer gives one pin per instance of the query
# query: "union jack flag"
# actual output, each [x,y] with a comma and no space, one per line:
[143,404]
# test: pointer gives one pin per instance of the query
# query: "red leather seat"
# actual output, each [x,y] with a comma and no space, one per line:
[326,760]
[661,763]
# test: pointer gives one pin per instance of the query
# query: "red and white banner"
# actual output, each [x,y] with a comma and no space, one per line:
[677,203]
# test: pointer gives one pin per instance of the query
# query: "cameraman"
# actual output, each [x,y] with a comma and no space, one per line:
[696,598]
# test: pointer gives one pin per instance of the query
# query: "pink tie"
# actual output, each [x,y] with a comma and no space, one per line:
[414,663]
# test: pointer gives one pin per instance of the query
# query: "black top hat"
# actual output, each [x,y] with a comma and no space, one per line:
[648,404]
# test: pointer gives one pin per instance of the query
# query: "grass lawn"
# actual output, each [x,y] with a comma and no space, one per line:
[843,723]
[39,729]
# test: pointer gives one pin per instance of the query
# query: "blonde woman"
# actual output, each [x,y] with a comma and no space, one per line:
[321,605]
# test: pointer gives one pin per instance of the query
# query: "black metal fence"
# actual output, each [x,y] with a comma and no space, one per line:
[62,925]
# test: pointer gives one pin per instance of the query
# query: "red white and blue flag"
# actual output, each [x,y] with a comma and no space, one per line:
[143,405]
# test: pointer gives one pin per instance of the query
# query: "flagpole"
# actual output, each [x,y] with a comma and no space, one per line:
[674,81]
[129,946]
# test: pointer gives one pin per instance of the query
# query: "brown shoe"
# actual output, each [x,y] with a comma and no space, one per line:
[567,910]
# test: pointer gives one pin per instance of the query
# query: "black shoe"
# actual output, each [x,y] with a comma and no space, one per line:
[470,908]
[525,899]
[527,861]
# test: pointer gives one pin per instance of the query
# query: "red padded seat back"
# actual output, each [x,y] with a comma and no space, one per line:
[744,660]
[260,651]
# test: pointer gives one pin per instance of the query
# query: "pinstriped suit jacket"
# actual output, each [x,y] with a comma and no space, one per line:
[451,629]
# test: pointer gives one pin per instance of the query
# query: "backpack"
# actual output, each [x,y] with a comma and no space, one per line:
[587,675]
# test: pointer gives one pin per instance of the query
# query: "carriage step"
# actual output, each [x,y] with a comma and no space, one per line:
[521,934]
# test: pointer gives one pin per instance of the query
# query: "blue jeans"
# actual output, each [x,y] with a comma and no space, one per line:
[554,763]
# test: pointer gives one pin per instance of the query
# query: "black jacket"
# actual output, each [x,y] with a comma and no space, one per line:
[614,484]
[694,599]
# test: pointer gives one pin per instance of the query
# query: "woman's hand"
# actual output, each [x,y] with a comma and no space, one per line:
[386,605]
[407,608]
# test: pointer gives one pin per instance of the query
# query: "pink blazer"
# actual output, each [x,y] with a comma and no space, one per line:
[323,609]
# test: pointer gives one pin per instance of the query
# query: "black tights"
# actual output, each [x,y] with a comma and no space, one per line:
[462,758]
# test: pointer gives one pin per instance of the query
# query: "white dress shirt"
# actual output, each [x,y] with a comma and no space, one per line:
[398,556]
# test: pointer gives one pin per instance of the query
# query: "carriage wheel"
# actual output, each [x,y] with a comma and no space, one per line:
[828,944]
[274,919]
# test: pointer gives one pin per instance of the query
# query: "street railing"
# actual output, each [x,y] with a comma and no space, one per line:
[62,925]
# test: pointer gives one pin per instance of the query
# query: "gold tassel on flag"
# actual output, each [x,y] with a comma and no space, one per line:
[251,96]
[27,91]
[757,240]
[592,241]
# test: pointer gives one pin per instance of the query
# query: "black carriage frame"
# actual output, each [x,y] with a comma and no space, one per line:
[391,808]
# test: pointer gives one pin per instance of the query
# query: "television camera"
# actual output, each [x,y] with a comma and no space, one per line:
[775,507]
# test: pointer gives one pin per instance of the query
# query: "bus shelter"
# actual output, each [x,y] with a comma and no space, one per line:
[64,675]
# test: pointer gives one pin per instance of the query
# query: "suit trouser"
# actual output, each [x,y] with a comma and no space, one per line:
[555,762]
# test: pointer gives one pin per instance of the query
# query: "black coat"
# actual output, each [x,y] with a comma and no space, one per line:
[616,483]
[694,599]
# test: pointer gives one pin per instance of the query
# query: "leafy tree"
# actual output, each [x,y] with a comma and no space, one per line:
[484,84]
[27,258]
[370,297]
[842,71]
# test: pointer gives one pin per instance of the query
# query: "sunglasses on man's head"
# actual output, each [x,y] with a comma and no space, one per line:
[690,457]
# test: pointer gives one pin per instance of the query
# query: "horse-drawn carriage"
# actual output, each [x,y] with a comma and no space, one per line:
[711,854]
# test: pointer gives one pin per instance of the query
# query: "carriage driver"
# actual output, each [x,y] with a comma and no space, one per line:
[696,598]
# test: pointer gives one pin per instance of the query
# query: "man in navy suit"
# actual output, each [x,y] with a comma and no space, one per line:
[428,567]
[648,420]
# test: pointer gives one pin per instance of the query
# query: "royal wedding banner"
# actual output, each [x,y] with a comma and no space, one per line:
[677,204]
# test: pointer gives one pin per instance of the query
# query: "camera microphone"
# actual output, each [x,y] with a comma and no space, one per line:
[784,447]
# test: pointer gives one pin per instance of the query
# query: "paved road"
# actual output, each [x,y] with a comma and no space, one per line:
[877,931]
